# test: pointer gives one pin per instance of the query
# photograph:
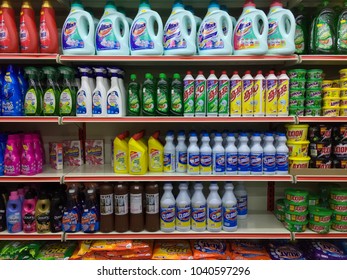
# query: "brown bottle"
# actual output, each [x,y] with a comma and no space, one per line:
[106,208]
[121,207]
[152,207]
[137,217]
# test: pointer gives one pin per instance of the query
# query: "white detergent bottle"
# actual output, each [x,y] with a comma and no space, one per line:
[249,39]
[169,153]
[112,32]
[180,32]
[282,27]
[229,204]
[84,94]
[142,38]
[211,38]
[78,32]
[231,155]
[282,152]
[214,209]
[193,154]
[242,201]
[243,155]
[269,160]
[218,155]
[181,153]
[114,97]
[99,106]
[256,155]
[183,209]
[205,155]
[167,209]
[198,209]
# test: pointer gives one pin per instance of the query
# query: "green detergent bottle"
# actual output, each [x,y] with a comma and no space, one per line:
[176,98]
[148,96]
[342,30]
[134,108]
[301,36]
[51,93]
[33,96]
[163,90]
[67,98]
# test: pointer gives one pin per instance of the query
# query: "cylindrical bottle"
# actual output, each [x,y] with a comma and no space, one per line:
[189,95]
[231,155]
[212,94]
[205,155]
[235,95]
[14,213]
[259,94]
[183,209]
[56,212]
[214,209]
[198,209]
[229,204]
[193,154]
[169,153]
[42,216]
[269,164]
[242,201]
[106,208]
[283,94]
[282,152]
[137,217]
[218,155]
[181,153]
[243,155]
[121,207]
[167,209]
[256,155]
[152,207]
[247,94]
[271,97]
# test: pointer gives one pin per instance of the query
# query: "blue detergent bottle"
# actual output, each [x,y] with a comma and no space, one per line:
[142,38]
[12,99]
[23,85]
[14,213]
[112,32]
[180,32]
[212,39]
[250,36]
[78,32]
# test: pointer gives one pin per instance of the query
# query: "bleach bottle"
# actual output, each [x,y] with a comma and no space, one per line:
[281,33]
[112,32]
[167,209]
[178,38]
[211,39]
[142,38]
[248,38]
[78,32]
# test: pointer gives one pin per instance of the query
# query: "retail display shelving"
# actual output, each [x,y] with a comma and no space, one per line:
[30,236]
[25,119]
[35,58]
[316,175]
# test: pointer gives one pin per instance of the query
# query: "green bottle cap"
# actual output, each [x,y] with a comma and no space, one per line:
[133,77]
[162,76]
[177,76]
[148,76]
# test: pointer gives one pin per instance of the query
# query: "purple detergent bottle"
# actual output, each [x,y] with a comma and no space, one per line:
[12,156]
[38,153]
[14,213]
[28,161]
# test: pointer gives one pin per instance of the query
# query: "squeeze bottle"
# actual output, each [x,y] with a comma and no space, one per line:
[9,42]
[229,204]
[247,94]
[200,95]
[169,153]
[84,106]
[214,209]
[212,95]
[189,95]
[176,96]
[163,96]
[99,107]
[231,155]
[134,103]
[49,42]
[28,35]
[71,220]
[271,96]
[198,209]
[181,153]
[242,201]
[156,153]
[183,208]
[14,213]
[235,95]
[148,98]
[138,154]
[90,221]
[193,155]
[259,89]
[28,213]
[167,209]
[205,155]
[223,95]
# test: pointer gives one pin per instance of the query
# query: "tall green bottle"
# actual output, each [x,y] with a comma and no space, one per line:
[51,93]
[342,30]
[134,108]
[33,96]
[301,36]
[163,96]
[67,98]
[176,98]
[148,96]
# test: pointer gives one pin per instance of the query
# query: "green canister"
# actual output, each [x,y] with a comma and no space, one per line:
[314,74]
[338,195]
[313,199]
[295,226]
[296,217]
[296,195]
[319,214]
[321,228]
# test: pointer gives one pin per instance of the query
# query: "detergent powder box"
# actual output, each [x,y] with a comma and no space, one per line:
[94,152]
[73,151]
[56,155]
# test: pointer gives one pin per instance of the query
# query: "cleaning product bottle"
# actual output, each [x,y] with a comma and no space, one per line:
[183,208]
[235,95]
[142,38]
[242,201]
[181,152]
[178,39]
[189,95]
[42,214]
[283,94]
[205,155]
[163,96]
[99,108]
[212,94]
[248,29]
[169,153]
[257,153]
[28,161]
[120,153]
[211,39]
[23,82]
[193,155]
[229,204]
[233,19]
[9,42]
[71,221]
[243,155]
[259,91]
[231,155]
[28,35]
[49,42]
[33,96]
[214,209]
[28,213]
[84,105]
[90,216]
[198,209]
[223,95]
[200,98]
[271,94]
[155,153]
[78,32]
[129,20]
[112,32]
[176,96]
[12,99]
[167,209]
[39,152]
[281,30]
[56,211]
[138,155]
[115,98]
[148,96]
[67,99]
[218,155]
[134,104]
[14,213]
[12,156]
[51,93]
[198,20]
[269,159]
[247,94]
[301,32]
[342,31]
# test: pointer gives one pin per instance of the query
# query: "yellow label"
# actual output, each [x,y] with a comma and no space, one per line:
[235,99]
[271,98]
[247,98]
[258,99]
[120,161]
[167,217]
[199,217]
[183,216]
[135,165]
[283,97]
[155,160]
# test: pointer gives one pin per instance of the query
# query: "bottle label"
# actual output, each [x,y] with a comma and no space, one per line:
[14,223]
[56,222]
[71,37]
[89,220]
[235,97]
[148,101]
[256,162]
[247,97]
[275,39]
[49,103]
[231,162]
[24,36]
[139,36]
[181,158]
[135,162]
[242,205]
[230,216]
[4,38]
[342,34]
[212,93]
[169,162]
[134,101]
[121,204]
[105,37]
[162,100]
[106,204]
[223,97]
[120,160]
[29,222]
[205,163]
[243,162]
[283,97]
[188,97]
[258,97]
[183,216]
[113,103]
[71,220]
[208,38]
[65,102]
[176,100]
[154,159]
[152,203]
[193,162]
[200,97]
[30,102]
[281,162]
[96,103]
[299,40]
[269,163]
[244,37]
[214,217]
[324,35]
[45,40]
[199,217]
[135,203]
[81,107]
[167,217]
[173,39]
[271,97]
[43,223]
[219,162]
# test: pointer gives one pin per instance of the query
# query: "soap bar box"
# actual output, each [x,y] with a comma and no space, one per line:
[56,155]
[73,153]
[94,152]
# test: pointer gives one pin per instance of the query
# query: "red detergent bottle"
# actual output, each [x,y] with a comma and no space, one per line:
[28,35]
[48,29]
[9,41]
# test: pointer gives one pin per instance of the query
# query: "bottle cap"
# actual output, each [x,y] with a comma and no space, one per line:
[14,195]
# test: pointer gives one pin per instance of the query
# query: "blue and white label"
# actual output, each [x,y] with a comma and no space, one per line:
[193,162]
[208,36]
[282,162]
[71,37]
[206,159]
[173,36]
[96,105]
[105,37]
[14,223]
[81,108]
[219,162]
[243,162]
[257,162]
[269,163]
[215,216]
[112,103]
[242,205]
[169,162]
[231,162]
[139,37]
[199,214]
[181,161]
[230,216]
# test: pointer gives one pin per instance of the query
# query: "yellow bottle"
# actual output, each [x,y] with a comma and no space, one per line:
[271,94]
[283,94]
[120,153]
[138,155]
[155,153]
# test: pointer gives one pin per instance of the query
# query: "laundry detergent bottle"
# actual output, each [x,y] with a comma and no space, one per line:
[212,39]
[78,32]
[281,32]
[180,32]
[49,42]
[250,36]
[28,35]
[142,39]
[9,42]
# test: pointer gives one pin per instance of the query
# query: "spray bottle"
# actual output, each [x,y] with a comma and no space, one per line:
[99,108]
[84,94]
[33,96]
[51,93]
[67,99]
[115,98]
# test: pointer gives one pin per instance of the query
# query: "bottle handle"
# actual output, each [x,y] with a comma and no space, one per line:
[264,34]
[157,18]
[228,36]
[288,16]
[190,17]
[123,39]
[91,31]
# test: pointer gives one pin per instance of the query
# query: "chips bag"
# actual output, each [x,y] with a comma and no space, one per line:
[172,250]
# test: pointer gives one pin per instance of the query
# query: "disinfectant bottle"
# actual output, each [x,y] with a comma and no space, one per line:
[120,153]
[11,95]
[200,95]
[51,93]
[14,213]
[28,35]
[223,95]
[169,153]
[231,155]
[198,209]
[256,155]
[49,42]
[112,32]
[283,94]
[138,154]
[148,98]
[115,99]
[78,32]
[176,96]
[84,94]
[156,153]
[167,209]
[214,209]
[142,39]
[269,163]
[181,153]
[180,32]
[183,208]
[229,204]
[205,155]
[193,155]
[99,107]
[259,90]
[33,96]
[67,98]
[242,201]
[243,155]
[163,96]
[9,42]
[271,96]
[218,155]
[212,93]
[249,29]
[282,152]
[281,30]
[134,103]
[189,95]
[235,95]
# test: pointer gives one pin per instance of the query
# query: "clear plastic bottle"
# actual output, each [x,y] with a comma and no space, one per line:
[269,159]
[282,152]
[198,209]
[183,208]
[214,209]
[242,201]
[231,155]
[256,155]
[218,155]
[181,153]
[243,155]
[205,155]
[193,155]
[167,209]
[229,204]
[169,153]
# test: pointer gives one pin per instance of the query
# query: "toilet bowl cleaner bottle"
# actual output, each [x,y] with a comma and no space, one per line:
[214,209]
[198,209]
[189,95]
[229,208]
[9,42]
[156,153]
[167,209]
[49,42]
[212,94]
[120,153]
[28,35]
[183,209]
[205,155]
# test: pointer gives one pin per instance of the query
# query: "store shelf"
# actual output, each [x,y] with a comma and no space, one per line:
[321,119]
[323,59]
[104,173]
[35,58]
[319,175]
[4,119]
[308,234]
[256,226]
[30,236]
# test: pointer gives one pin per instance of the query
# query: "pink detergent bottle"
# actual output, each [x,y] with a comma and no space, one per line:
[28,161]
[28,213]
[12,157]
[38,153]
[14,213]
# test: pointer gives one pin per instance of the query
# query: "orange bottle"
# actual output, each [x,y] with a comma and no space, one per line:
[48,29]
[9,42]
[28,35]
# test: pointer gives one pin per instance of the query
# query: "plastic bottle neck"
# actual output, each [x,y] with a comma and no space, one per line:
[6,4]
[46,4]
[26,5]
